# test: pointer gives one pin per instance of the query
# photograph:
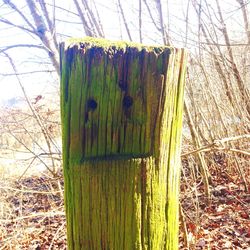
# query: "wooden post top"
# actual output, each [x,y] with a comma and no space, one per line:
[114,95]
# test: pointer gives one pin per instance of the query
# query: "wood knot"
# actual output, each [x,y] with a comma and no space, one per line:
[91,105]
[127,102]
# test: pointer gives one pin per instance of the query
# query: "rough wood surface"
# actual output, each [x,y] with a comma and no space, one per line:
[121,120]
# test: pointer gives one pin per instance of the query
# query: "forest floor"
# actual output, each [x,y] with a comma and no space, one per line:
[32,216]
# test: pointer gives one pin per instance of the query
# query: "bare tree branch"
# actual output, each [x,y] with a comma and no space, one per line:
[44,35]
[124,20]
[140,20]
[85,24]
[50,22]
[245,18]
[23,46]
[93,20]
[14,7]
[243,90]
[99,19]
[36,115]
[165,36]
[27,73]
[151,15]
[219,144]
[18,26]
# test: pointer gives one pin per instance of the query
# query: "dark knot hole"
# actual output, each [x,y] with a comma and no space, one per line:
[127,102]
[91,105]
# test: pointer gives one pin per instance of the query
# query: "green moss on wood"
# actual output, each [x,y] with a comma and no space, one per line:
[111,46]
[121,124]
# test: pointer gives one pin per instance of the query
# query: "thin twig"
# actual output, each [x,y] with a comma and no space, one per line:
[27,73]
[15,8]
[36,115]
[124,20]
[219,144]
[17,26]
[45,214]
[140,20]
[87,29]
[29,191]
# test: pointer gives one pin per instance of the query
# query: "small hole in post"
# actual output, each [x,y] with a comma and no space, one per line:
[91,104]
[127,101]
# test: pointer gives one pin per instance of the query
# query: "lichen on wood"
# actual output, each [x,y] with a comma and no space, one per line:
[121,123]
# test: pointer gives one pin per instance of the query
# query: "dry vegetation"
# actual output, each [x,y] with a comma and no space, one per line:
[216,134]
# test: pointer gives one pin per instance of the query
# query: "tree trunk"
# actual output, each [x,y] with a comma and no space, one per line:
[122,107]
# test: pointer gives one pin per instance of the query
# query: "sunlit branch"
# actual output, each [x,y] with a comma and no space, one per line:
[23,46]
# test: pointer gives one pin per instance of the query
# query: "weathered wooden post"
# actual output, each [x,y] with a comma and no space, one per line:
[121,122]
